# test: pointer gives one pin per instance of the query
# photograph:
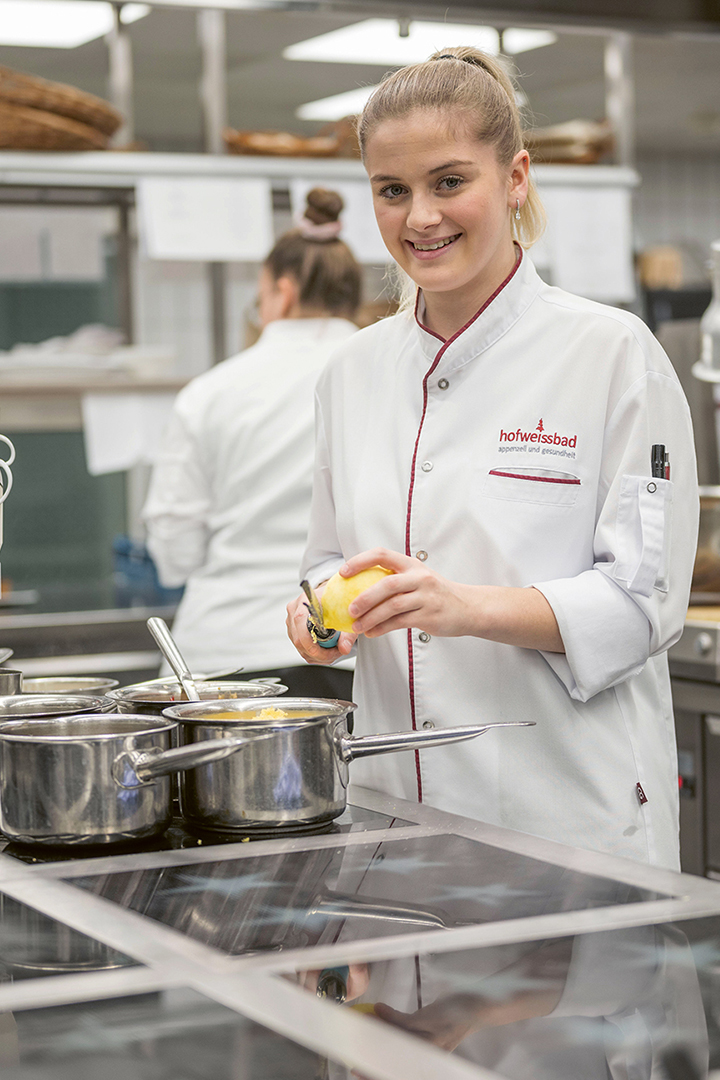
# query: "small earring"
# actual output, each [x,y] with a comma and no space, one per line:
[517,209]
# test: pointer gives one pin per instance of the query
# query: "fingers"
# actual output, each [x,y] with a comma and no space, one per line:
[380,556]
[390,604]
[299,634]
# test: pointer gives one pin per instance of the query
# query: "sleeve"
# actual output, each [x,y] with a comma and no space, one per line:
[633,602]
[177,507]
[323,555]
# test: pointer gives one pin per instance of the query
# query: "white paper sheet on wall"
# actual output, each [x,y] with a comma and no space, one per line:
[205,220]
[588,242]
[123,430]
[360,231]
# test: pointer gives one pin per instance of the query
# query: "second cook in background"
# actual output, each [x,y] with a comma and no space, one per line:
[229,500]
[492,448]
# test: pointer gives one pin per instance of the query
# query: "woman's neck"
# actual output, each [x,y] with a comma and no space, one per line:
[448,312]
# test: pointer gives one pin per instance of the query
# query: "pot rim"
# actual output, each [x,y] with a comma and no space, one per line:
[327,709]
[94,682]
[147,725]
[47,706]
[131,693]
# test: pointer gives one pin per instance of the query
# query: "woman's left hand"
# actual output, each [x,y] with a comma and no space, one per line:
[413,595]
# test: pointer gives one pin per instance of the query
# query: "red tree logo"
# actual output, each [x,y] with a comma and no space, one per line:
[540,426]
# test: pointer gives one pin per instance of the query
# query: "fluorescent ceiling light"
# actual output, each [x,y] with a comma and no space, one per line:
[350,103]
[378,41]
[517,40]
[60,24]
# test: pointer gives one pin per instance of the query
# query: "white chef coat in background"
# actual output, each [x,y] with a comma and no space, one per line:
[228,506]
[518,453]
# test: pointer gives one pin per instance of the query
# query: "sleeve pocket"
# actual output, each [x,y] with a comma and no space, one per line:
[643,534]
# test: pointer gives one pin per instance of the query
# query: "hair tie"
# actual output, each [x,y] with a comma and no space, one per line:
[310,230]
[471,60]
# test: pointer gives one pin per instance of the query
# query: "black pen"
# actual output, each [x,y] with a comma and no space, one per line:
[657,461]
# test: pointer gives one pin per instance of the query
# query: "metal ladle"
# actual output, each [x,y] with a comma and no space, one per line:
[166,643]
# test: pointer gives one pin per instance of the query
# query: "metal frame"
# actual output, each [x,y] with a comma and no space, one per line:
[253,986]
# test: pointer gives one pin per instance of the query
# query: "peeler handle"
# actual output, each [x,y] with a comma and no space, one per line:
[324,642]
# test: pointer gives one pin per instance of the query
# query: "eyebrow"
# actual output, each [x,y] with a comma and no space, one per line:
[380,179]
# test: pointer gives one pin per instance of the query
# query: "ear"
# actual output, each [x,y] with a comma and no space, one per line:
[518,180]
[289,294]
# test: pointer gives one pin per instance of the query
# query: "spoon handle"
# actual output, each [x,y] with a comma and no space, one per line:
[159,630]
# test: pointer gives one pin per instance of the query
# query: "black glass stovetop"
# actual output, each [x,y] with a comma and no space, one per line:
[179,837]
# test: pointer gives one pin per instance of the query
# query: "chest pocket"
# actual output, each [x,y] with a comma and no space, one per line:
[644,519]
[549,487]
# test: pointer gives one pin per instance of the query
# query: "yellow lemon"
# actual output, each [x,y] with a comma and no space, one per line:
[340,592]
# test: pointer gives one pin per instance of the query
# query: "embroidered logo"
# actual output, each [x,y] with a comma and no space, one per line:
[539,441]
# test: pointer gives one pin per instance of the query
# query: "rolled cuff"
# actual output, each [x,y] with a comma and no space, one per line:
[605,634]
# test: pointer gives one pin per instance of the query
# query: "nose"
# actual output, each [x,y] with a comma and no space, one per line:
[424,213]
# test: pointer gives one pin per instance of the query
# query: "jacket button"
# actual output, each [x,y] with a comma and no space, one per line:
[421,555]
[443,384]
[422,636]
[428,724]
[427,466]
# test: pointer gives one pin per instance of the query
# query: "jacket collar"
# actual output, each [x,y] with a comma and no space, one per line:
[307,329]
[498,314]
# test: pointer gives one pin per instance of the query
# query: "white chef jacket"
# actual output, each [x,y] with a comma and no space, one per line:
[518,453]
[229,500]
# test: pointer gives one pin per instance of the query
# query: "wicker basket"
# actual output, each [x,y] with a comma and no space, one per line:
[280,144]
[19,89]
[35,129]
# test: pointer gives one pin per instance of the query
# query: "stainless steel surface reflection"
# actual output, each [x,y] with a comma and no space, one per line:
[299,899]
[33,945]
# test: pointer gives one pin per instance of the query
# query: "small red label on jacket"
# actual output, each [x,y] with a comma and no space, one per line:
[642,797]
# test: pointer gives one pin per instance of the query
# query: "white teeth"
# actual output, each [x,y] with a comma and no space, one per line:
[434,247]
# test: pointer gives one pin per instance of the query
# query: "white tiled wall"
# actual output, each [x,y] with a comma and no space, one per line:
[678,201]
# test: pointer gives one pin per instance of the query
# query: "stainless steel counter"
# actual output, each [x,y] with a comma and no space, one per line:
[536,960]
[105,641]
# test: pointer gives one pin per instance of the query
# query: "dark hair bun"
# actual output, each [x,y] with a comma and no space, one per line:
[323,206]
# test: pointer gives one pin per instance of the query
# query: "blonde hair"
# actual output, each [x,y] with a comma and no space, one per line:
[464,81]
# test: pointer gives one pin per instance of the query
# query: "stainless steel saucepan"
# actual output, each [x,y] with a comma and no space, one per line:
[157,694]
[299,777]
[95,779]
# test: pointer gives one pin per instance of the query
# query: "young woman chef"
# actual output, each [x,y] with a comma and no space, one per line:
[229,500]
[492,448]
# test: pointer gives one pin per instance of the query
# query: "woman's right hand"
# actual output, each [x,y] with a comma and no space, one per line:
[297,614]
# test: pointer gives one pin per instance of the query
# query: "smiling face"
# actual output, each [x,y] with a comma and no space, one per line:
[443,205]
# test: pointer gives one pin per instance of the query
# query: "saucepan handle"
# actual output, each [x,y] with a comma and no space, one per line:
[367,745]
[135,767]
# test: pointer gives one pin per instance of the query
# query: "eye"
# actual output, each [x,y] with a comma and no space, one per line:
[392,191]
[451,183]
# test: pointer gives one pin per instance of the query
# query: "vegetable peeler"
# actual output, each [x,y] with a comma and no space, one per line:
[325,637]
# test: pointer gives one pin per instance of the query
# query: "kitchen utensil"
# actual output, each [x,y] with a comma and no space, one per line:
[159,630]
[68,684]
[223,673]
[11,681]
[325,637]
[152,697]
[94,779]
[297,778]
[5,654]
[40,706]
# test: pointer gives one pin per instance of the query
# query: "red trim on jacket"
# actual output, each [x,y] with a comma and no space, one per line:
[440,353]
[541,479]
